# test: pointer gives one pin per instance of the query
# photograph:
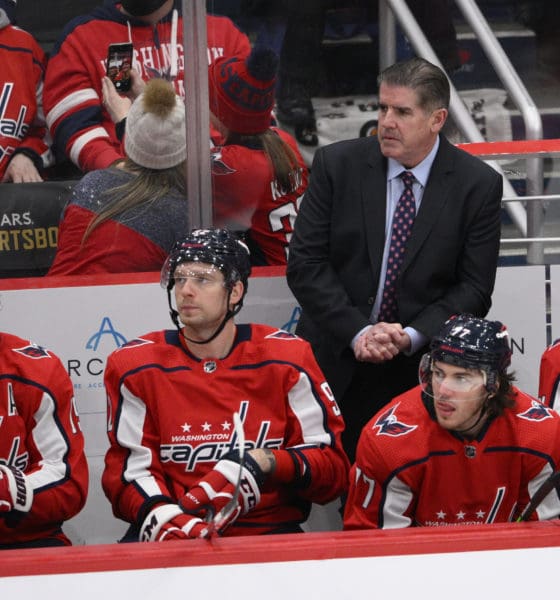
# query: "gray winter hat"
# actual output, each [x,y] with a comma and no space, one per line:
[155,135]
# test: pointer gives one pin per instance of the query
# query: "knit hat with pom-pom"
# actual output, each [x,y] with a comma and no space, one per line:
[242,91]
[155,135]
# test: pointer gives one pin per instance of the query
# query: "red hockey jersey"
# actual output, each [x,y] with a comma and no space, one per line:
[82,130]
[247,198]
[22,122]
[40,435]
[549,376]
[410,471]
[170,421]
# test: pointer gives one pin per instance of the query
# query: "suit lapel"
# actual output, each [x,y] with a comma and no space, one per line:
[374,203]
[436,195]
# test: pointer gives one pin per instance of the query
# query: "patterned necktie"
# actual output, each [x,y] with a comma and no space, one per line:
[403,219]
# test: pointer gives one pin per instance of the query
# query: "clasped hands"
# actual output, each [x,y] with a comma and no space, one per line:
[381,342]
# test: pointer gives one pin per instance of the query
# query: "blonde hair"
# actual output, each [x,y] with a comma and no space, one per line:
[147,186]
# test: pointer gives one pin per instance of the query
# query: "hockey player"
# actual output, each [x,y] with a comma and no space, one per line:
[465,447]
[43,469]
[174,461]
[549,376]
[82,130]
[24,139]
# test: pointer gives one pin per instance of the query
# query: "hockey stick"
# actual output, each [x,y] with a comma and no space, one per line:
[546,487]
[223,515]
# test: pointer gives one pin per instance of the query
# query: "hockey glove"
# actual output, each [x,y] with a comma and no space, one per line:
[16,492]
[218,487]
[168,522]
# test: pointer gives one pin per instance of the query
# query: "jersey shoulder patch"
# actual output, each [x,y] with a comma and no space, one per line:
[388,424]
[218,164]
[33,351]
[134,344]
[280,334]
[536,412]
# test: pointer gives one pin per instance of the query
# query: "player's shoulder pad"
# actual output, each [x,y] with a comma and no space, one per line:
[281,334]
[30,360]
[392,422]
[142,342]
[553,348]
[272,339]
[533,410]
[26,348]
[273,335]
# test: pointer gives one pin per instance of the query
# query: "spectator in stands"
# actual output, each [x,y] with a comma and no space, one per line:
[549,376]
[369,322]
[258,173]
[127,219]
[24,141]
[174,460]
[82,130]
[465,447]
[43,468]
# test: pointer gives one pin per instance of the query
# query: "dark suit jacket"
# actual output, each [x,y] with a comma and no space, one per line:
[337,246]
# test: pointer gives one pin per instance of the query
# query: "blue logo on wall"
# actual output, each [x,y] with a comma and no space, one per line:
[291,324]
[105,329]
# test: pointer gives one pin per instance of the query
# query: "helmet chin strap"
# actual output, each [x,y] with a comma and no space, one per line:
[483,413]
[229,315]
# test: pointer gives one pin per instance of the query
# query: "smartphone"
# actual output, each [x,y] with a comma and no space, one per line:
[119,64]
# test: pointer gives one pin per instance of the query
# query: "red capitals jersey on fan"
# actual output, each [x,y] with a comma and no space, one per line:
[22,123]
[410,471]
[549,376]
[40,435]
[81,128]
[247,198]
[172,416]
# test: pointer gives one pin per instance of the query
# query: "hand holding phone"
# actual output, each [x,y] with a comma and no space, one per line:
[116,105]
[119,65]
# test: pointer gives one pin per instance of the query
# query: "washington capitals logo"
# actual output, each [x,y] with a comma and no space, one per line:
[135,342]
[219,167]
[537,412]
[280,334]
[33,351]
[389,425]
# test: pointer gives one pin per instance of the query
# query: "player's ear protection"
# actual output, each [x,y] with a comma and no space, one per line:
[492,382]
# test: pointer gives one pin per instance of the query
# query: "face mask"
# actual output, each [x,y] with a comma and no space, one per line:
[141,8]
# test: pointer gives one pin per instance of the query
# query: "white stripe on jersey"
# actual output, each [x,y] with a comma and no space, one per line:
[549,508]
[51,444]
[69,102]
[555,399]
[309,412]
[398,499]
[84,139]
[129,433]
